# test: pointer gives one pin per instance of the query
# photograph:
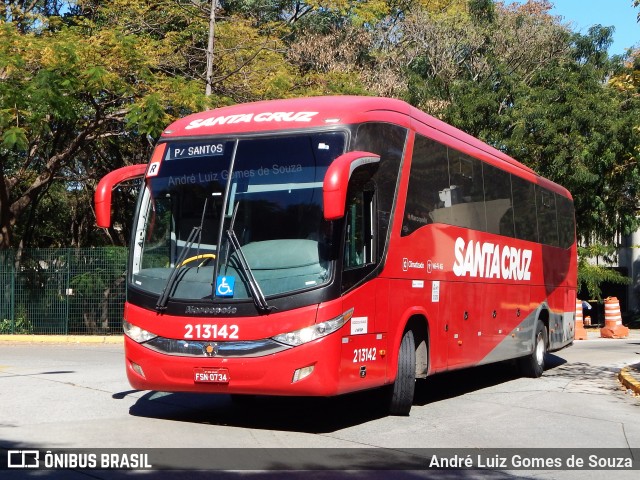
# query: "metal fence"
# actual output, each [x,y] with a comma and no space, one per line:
[62,291]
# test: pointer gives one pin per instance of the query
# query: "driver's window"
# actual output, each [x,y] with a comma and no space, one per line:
[359,242]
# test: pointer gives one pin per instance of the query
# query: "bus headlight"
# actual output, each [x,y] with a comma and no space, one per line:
[135,333]
[308,334]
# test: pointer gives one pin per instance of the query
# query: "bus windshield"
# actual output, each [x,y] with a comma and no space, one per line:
[235,219]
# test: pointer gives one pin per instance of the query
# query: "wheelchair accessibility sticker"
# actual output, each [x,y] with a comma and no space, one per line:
[225,286]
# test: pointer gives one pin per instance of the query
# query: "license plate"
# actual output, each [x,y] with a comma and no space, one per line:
[211,375]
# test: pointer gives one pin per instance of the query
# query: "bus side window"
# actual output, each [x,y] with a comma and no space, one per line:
[429,186]
[547,217]
[465,199]
[497,196]
[524,211]
[566,221]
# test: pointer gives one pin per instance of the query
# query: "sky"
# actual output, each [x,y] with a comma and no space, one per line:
[582,14]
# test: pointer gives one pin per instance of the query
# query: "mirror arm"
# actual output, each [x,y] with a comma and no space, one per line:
[102,197]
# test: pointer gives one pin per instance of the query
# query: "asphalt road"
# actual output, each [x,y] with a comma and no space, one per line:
[76,396]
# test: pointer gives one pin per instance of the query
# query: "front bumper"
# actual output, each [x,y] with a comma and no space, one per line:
[271,374]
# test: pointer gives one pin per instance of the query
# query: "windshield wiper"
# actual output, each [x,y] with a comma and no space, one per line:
[195,233]
[164,296]
[256,293]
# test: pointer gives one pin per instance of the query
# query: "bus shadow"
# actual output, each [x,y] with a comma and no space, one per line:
[315,415]
[460,382]
[299,414]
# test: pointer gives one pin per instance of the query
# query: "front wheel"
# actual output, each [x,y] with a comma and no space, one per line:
[533,364]
[405,384]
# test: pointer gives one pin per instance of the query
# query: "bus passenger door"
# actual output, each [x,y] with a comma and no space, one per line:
[363,350]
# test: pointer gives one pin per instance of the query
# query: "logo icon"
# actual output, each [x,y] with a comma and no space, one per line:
[411,264]
[225,286]
[23,459]
[211,349]
[154,169]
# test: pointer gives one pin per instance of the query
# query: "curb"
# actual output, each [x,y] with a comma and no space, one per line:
[628,377]
[65,339]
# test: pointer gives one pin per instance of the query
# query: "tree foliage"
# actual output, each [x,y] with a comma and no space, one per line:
[520,80]
[72,88]
[83,83]
[591,276]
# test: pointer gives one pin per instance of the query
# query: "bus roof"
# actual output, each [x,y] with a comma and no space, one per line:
[313,112]
[286,114]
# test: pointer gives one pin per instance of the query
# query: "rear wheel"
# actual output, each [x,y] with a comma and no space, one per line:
[533,365]
[405,384]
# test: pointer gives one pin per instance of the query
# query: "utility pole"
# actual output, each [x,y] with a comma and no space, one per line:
[212,29]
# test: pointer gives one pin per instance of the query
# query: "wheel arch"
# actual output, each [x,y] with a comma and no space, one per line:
[543,316]
[416,321]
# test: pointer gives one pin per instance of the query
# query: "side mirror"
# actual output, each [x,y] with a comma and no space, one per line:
[102,197]
[336,181]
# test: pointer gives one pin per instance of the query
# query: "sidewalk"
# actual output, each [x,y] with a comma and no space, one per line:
[89,339]
[629,376]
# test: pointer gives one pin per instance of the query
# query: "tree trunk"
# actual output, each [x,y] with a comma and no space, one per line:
[210,43]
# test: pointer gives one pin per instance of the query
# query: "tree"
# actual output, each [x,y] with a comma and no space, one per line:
[72,88]
[552,127]
[360,47]
[82,85]
[627,83]
[80,91]
[521,81]
[489,51]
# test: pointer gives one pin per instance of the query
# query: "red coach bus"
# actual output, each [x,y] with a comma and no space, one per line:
[319,246]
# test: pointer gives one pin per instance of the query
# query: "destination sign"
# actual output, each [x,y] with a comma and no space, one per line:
[207,149]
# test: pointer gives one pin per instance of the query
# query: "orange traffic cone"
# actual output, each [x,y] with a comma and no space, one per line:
[613,327]
[581,333]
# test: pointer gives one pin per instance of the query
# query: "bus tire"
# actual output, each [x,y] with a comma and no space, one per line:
[533,364]
[404,386]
